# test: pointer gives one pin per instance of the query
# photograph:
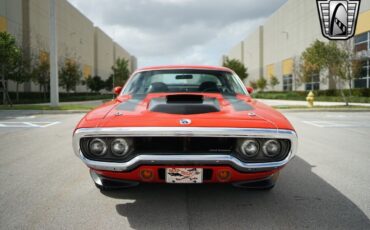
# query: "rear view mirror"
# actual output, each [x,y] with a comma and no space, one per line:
[250,90]
[117,90]
[184,77]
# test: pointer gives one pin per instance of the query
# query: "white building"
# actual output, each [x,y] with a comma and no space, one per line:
[274,48]
[78,39]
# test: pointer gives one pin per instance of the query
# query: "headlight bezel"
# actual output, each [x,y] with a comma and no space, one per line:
[261,157]
[109,156]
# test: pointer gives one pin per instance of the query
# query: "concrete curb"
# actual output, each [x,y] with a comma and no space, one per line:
[322,110]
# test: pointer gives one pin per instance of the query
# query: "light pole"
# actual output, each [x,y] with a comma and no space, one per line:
[54,83]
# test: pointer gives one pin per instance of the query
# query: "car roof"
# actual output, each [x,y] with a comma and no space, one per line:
[170,67]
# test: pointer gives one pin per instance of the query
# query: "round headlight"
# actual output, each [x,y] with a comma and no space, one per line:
[97,147]
[249,148]
[271,148]
[119,147]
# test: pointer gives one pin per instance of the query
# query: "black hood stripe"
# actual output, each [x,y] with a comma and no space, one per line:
[130,105]
[237,104]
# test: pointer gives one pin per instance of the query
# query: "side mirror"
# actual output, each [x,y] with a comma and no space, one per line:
[117,90]
[250,90]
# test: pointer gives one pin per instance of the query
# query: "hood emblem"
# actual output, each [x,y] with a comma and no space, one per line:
[185,122]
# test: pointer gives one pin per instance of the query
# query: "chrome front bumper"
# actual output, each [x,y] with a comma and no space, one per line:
[184,159]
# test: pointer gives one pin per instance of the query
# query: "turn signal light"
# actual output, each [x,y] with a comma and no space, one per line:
[146,174]
[223,175]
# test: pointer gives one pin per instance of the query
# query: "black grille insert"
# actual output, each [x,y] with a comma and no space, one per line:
[181,145]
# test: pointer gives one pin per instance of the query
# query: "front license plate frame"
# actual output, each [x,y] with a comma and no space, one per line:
[184,175]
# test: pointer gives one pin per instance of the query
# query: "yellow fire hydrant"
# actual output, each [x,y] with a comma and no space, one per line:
[310,99]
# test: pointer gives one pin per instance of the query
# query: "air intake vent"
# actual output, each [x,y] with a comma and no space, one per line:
[184,98]
[184,104]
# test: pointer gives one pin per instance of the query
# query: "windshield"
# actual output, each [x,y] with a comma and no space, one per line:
[184,81]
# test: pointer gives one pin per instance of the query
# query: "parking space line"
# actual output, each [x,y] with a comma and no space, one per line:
[25,124]
[50,124]
[30,124]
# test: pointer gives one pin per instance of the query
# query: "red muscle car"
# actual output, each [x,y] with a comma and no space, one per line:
[184,124]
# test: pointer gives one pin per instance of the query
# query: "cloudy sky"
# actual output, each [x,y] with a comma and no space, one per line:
[177,31]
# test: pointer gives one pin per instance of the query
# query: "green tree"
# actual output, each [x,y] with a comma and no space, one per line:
[21,73]
[322,56]
[262,83]
[9,55]
[121,72]
[352,66]
[274,81]
[95,84]
[40,74]
[238,67]
[109,83]
[70,76]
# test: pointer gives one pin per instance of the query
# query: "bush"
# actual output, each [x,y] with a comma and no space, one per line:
[358,95]
[95,84]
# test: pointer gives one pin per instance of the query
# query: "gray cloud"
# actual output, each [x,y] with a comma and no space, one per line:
[177,31]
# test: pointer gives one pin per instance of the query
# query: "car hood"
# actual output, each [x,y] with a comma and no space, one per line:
[203,110]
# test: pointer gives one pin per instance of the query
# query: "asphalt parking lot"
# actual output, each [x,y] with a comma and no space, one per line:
[43,185]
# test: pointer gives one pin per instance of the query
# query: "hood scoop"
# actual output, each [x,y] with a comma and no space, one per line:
[184,104]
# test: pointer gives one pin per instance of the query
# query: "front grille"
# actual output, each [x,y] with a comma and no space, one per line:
[183,145]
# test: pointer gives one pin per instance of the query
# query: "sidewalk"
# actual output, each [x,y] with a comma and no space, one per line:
[304,103]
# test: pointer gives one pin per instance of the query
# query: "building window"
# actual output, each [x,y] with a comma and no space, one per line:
[362,80]
[362,49]
[314,84]
[361,38]
[288,82]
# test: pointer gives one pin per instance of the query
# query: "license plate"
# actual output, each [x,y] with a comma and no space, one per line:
[184,175]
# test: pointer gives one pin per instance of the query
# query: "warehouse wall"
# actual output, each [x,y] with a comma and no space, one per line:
[253,55]
[77,38]
[104,54]
[286,34]
[133,63]
[293,28]
[11,22]
[236,52]
[120,52]
[75,35]
[11,17]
